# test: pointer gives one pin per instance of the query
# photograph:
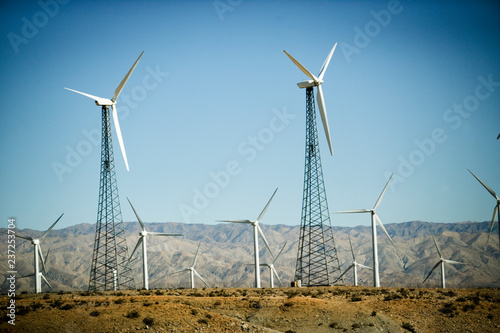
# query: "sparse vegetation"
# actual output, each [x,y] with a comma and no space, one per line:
[132,314]
[150,321]
[409,327]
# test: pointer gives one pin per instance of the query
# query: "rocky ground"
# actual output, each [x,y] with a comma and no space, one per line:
[321,309]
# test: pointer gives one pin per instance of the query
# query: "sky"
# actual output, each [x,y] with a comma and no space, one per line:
[213,121]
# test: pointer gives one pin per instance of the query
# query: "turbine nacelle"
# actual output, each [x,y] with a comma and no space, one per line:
[309,84]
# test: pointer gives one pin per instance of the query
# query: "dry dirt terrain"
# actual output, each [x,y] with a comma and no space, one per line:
[319,309]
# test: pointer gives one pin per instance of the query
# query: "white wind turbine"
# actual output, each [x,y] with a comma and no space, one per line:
[193,271]
[496,210]
[354,266]
[441,262]
[104,102]
[272,269]
[256,232]
[375,219]
[316,82]
[142,239]
[38,255]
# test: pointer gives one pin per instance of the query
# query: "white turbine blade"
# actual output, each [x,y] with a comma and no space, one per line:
[136,215]
[163,234]
[354,211]
[361,265]
[265,208]
[495,211]
[47,282]
[325,64]
[23,237]
[125,79]
[302,68]
[180,271]
[347,270]
[454,262]
[352,251]
[383,228]
[437,247]
[383,192]
[236,221]
[277,276]
[485,186]
[119,135]
[282,248]
[40,255]
[99,100]
[265,240]
[196,255]
[136,246]
[52,226]
[432,270]
[202,279]
[324,118]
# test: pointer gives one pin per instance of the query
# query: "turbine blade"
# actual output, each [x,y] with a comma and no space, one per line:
[99,100]
[202,279]
[265,208]
[485,186]
[47,282]
[324,118]
[495,211]
[361,265]
[119,134]
[302,68]
[23,237]
[347,270]
[282,248]
[180,271]
[383,192]
[40,255]
[196,255]
[125,79]
[52,226]
[236,221]
[277,276]
[437,247]
[454,262]
[353,211]
[163,234]
[352,251]
[136,246]
[383,228]
[325,64]
[136,215]
[432,270]
[265,240]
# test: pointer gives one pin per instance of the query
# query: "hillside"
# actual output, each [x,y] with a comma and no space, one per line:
[226,250]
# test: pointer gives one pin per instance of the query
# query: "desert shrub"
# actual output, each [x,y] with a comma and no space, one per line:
[57,303]
[36,306]
[489,316]
[146,303]
[255,304]
[46,296]
[408,327]
[335,325]
[391,297]
[194,312]
[448,309]
[119,301]
[356,298]
[67,307]
[22,310]
[208,316]
[461,299]
[159,292]
[290,331]
[132,300]
[374,313]
[132,314]
[85,293]
[217,302]
[288,304]
[150,321]
[94,313]
[292,293]
[356,325]
[202,321]
[120,293]
[468,307]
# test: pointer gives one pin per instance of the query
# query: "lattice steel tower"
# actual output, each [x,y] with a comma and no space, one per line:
[109,270]
[317,260]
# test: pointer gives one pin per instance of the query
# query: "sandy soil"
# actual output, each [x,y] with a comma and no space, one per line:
[321,309]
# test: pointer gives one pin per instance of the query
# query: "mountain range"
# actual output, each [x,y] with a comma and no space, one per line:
[226,255]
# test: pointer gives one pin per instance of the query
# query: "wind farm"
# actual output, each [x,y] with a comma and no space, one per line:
[206,103]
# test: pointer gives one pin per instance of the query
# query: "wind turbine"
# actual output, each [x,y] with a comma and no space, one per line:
[193,271]
[354,265]
[375,219]
[142,239]
[316,82]
[256,232]
[272,270]
[441,262]
[496,210]
[38,255]
[106,103]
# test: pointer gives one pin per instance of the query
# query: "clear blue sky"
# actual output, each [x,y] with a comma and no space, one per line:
[412,88]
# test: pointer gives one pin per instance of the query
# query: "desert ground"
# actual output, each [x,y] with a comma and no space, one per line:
[314,309]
